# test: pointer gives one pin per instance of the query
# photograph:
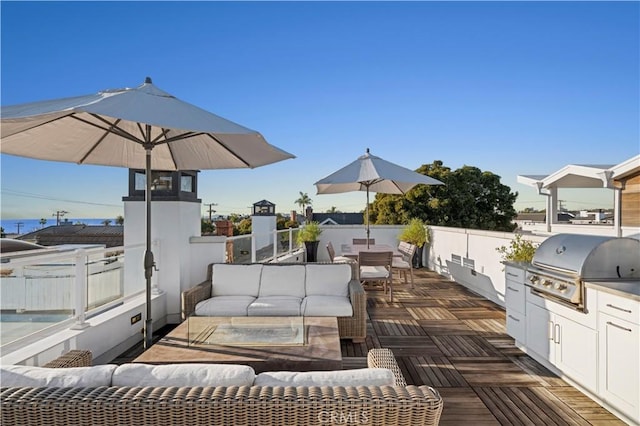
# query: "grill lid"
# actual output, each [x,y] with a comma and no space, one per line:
[590,256]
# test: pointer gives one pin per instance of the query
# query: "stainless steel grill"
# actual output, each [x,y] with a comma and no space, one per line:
[562,263]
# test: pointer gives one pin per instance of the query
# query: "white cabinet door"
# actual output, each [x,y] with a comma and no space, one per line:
[514,299]
[540,332]
[517,326]
[619,369]
[576,351]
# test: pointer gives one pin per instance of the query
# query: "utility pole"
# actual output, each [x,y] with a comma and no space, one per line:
[18,226]
[58,214]
[211,211]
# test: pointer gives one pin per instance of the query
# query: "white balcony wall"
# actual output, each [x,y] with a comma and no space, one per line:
[204,250]
[470,258]
[173,224]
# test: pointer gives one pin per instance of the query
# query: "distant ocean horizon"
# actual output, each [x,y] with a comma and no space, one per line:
[10,226]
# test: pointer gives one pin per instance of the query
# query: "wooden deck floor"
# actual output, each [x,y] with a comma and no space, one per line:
[454,340]
[445,336]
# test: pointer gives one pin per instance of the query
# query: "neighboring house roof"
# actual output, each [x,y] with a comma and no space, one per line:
[339,218]
[264,203]
[110,236]
[10,245]
[541,217]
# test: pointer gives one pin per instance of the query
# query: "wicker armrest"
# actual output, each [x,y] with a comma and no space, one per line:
[383,358]
[190,298]
[358,298]
[73,358]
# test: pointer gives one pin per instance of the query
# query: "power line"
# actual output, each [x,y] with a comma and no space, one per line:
[45,197]
[211,211]
[58,214]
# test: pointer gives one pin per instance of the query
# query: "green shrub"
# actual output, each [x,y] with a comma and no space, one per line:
[519,250]
[415,233]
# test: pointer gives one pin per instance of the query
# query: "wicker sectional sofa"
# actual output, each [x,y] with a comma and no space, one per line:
[397,404]
[311,289]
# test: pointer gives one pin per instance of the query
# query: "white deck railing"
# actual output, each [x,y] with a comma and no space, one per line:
[55,288]
[261,248]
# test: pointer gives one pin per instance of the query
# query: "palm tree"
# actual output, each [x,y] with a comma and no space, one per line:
[120,220]
[106,222]
[303,201]
[43,222]
[333,209]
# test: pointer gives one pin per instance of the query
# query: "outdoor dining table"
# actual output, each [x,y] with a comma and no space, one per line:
[352,250]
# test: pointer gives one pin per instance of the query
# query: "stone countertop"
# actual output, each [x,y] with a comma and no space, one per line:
[519,265]
[627,289]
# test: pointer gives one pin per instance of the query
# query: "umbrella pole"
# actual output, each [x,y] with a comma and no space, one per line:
[368,230]
[148,255]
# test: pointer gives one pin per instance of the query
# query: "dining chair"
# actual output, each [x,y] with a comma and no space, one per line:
[377,267]
[405,263]
[337,259]
[363,241]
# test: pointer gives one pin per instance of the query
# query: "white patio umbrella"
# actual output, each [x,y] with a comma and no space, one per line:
[122,127]
[372,174]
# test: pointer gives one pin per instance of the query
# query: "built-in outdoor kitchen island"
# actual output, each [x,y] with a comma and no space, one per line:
[576,310]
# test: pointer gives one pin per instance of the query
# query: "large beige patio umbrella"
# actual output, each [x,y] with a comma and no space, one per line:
[142,127]
[372,174]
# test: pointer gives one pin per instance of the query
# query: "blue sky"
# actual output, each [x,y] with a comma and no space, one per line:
[508,87]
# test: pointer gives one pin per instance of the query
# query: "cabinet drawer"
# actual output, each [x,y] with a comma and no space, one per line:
[514,274]
[514,296]
[516,326]
[619,307]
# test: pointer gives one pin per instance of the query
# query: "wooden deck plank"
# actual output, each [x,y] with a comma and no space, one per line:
[430,313]
[446,327]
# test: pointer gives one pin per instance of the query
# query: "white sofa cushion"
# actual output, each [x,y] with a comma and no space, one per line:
[235,280]
[224,306]
[183,375]
[275,306]
[282,280]
[358,377]
[327,306]
[32,377]
[328,280]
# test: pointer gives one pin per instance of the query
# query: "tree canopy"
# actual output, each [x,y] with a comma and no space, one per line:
[469,198]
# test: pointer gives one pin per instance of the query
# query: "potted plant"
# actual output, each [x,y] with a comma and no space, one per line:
[519,250]
[309,235]
[415,232]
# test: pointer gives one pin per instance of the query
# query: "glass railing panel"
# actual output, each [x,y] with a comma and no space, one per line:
[35,294]
[239,249]
[105,278]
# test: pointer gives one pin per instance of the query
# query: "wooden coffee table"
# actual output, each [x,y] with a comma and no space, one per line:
[193,341]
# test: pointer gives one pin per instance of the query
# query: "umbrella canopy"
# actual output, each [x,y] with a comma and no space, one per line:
[122,127]
[100,128]
[372,174]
